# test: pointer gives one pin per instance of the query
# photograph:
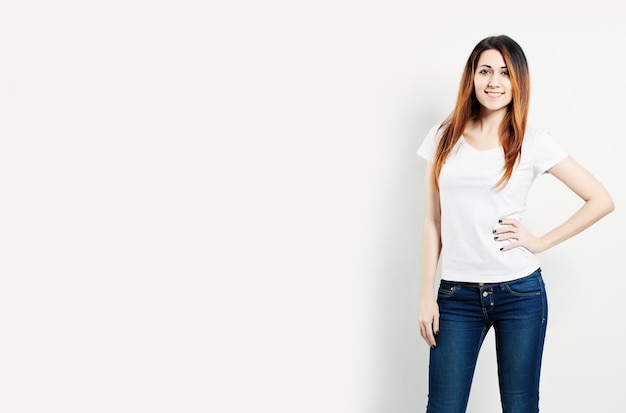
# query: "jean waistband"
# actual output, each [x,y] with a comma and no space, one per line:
[535,273]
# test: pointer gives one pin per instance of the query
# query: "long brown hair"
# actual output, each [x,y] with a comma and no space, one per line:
[467,106]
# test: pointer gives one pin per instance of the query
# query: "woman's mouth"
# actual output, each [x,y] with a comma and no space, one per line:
[494,94]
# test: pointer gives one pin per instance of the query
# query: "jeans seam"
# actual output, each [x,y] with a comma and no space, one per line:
[543,298]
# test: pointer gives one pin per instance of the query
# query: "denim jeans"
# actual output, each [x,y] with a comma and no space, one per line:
[518,312]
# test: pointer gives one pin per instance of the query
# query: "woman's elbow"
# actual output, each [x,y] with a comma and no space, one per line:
[610,206]
[607,205]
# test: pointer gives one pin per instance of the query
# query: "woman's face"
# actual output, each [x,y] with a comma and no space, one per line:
[491,81]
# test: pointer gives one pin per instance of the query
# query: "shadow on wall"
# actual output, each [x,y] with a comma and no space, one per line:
[401,356]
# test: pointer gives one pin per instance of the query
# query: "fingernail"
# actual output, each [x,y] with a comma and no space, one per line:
[495,237]
[501,248]
[499,221]
[436,333]
[493,232]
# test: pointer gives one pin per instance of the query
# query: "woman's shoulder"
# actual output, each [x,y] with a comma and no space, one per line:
[540,144]
[534,130]
[534,133]
[437,129]
[434,133]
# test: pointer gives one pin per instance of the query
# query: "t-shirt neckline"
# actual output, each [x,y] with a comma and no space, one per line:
[467,145]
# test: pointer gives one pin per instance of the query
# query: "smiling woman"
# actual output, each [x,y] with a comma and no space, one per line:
[482,161]
[491,82]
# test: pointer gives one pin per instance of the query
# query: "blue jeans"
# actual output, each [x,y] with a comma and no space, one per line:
[518,312]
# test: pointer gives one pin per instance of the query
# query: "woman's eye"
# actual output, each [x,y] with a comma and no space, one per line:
[484,71]
[505,73]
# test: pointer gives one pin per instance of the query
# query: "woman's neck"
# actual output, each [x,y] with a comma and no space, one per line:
[483,133]
[489,122]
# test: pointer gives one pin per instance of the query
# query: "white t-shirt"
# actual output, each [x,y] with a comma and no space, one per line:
[471,206]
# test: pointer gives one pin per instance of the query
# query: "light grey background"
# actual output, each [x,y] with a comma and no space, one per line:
[217,207]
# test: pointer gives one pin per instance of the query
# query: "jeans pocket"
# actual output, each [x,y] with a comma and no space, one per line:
[527,286]
[446,290]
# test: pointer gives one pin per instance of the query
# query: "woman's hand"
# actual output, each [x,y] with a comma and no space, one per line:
[521,237]
[429,320]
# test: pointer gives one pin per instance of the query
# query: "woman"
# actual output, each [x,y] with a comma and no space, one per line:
[482,161]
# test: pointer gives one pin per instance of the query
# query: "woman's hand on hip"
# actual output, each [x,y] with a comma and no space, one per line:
[514,231]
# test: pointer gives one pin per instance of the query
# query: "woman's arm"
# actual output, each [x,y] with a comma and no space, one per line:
[431,248]
[598,203]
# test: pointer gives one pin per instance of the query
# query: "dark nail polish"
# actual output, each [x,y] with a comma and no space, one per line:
[499,221]
[495,237]
[501,248]
[493,232]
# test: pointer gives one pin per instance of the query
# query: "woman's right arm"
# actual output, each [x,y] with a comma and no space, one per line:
[431,248]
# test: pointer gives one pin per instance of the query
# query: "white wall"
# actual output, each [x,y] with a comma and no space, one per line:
[218,207]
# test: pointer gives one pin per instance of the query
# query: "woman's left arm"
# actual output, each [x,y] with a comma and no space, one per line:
[598,203]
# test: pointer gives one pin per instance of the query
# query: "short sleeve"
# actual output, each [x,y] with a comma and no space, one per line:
[428,148]
[547,152]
